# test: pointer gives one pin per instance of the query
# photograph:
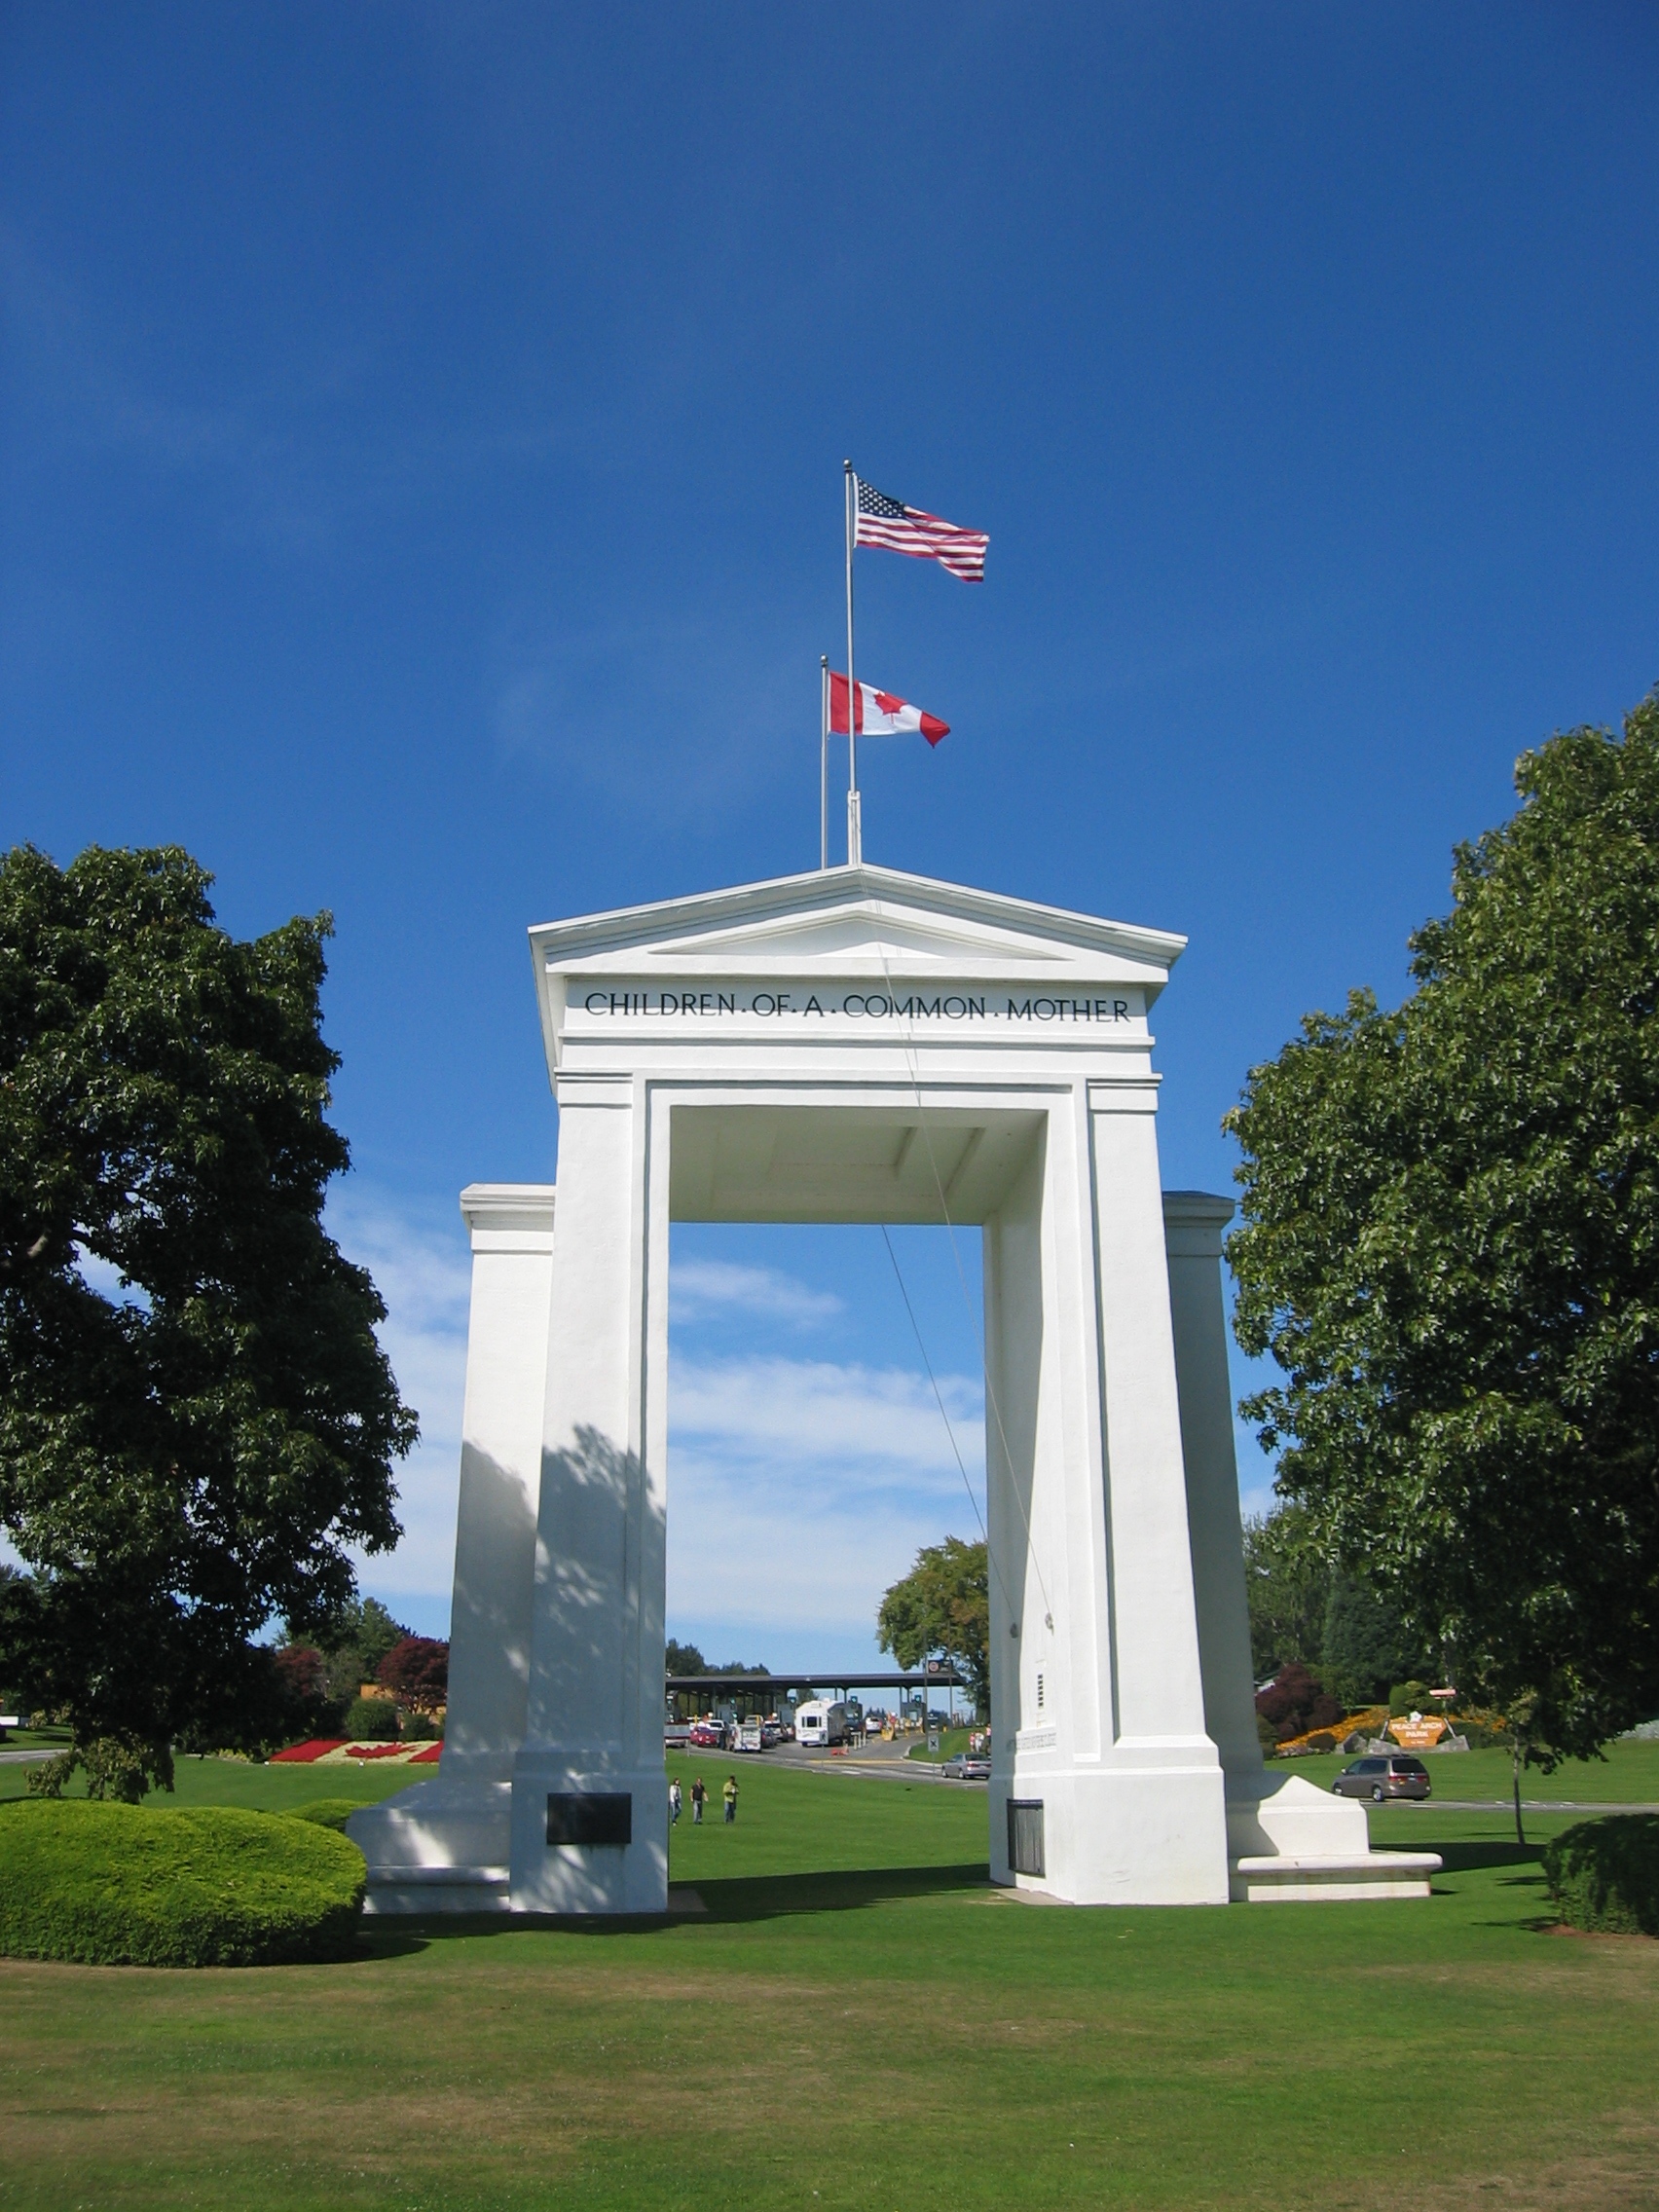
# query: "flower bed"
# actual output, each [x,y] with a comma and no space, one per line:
[337,1749]
[1368,1722]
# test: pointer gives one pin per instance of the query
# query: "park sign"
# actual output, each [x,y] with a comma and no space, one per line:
[1413,1733]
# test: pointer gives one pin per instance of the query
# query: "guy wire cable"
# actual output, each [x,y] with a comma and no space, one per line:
[944,1417]
[908,1041]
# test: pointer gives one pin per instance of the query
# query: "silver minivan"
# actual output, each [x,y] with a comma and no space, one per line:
[1381,1779]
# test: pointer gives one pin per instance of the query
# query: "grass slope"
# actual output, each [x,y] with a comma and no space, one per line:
[1629,1774]
[859,2022]
[260,1789]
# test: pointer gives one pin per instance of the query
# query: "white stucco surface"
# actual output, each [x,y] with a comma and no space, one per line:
[857,1045]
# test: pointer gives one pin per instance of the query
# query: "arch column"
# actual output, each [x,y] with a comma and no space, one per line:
[589,1794]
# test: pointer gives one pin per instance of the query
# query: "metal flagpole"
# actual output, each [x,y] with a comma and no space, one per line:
[855,829]
[823,761]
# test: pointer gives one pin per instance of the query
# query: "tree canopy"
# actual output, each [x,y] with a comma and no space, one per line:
[1449,1245]
[942,1606]
[416,1671]
[196,1416]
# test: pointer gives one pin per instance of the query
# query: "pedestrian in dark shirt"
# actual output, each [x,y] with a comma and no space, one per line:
[698,1795]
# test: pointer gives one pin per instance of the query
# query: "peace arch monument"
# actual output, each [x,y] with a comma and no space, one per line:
[861,1045]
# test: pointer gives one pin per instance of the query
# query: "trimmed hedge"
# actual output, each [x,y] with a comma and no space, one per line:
[371,1721]
[123,1885]
[327,1812]
[1604,1874]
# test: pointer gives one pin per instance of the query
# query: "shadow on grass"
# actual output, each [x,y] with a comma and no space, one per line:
[772,1896]
[1473,1858]
[753,1898]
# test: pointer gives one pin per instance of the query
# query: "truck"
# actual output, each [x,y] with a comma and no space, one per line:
[819,1722]
[750,1736]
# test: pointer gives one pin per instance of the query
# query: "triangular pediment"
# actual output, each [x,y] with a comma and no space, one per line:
[855,921]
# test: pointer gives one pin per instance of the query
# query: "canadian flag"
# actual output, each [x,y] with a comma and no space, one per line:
[880,714]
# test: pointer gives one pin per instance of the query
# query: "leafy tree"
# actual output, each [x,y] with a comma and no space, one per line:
[942,1606]
[416,1671]
[1296,1701]
[683,1659]
[354,1640]
[308,1708]
[1367,1645]
[196,1417]
[1451,1246]
[1287,1582]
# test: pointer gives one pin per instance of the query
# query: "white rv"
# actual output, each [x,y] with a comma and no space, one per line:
[819,1722]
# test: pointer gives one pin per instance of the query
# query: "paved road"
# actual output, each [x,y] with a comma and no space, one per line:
[1527,1805]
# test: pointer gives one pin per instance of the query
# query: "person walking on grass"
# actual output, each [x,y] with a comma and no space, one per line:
[699,1794]
[674,1802]
[729,1794]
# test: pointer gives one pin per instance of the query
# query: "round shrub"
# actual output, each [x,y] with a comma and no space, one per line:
[327,1812]
[123,1885]
[371,1721]
[1603,1876]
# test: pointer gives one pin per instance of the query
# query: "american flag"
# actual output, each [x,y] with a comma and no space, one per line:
[882,521]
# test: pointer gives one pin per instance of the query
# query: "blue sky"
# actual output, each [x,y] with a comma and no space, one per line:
[420,433]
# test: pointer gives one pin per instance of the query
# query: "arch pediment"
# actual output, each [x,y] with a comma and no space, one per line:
[853,924]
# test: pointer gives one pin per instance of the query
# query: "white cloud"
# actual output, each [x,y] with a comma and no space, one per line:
[798,1490]
[707,1290]
[425,1277]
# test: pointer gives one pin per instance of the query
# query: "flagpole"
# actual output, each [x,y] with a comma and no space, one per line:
[855,829]
[823,761]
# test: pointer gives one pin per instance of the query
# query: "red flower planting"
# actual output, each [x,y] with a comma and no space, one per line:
[302,1754]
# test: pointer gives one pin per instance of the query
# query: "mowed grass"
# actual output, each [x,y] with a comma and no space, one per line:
[1629,1774]
[858,2020]
[260,1789]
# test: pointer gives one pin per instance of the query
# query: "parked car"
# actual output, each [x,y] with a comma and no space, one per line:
[676,1735]
[966,1767]
[771,1732]
[1380,1777]
[709,1735]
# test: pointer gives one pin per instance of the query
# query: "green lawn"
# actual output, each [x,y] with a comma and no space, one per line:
[859,2021]
[1629,1774]
[262,1788]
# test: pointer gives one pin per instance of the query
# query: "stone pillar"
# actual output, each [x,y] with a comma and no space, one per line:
[1193,1225]
[1171,1825]
[442,1846]
[500,1476]
[590,1821]
[1097,1710]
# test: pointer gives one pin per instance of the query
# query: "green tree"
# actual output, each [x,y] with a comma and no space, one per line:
[942,1606]
[196,1417]
[354,1640]
[1451,1246]
[1287,1583]
[1367,1646]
